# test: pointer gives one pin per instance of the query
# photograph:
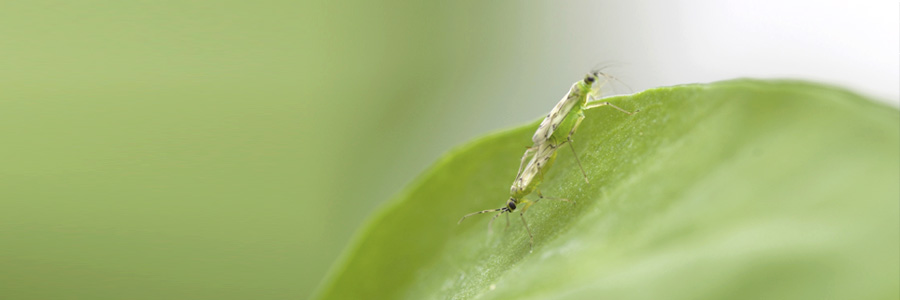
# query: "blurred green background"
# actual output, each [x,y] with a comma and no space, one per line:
[229,150]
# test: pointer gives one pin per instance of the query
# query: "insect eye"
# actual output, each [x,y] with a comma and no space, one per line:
[589,79]
[512,205]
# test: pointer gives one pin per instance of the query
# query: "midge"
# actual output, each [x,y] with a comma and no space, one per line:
[525,183]
[567,115]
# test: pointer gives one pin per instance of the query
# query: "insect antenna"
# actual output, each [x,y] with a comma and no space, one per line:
[600,66]
[598,70]
[507,222]
[481,212]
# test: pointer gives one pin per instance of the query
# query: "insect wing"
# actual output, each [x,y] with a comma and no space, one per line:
[556,116]
[539,161]
[524,178]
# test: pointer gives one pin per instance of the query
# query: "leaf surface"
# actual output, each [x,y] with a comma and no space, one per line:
[742,189]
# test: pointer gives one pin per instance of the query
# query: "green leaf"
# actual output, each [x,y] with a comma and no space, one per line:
[742,189]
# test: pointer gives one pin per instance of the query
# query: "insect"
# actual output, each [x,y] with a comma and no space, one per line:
[525,183]
[567,115]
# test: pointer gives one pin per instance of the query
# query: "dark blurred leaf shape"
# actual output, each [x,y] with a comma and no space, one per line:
[742,189]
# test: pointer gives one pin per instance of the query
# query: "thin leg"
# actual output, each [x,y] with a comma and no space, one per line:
[575,127]
[529,151]
[607,76]
[572,146]
[538,192]
[526,204]
[595,105]
[530,236]
[596,90]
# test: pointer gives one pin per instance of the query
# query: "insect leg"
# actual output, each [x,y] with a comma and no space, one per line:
[608,77]
[530,236]
[529,151]
[526,205]
[572,145]
[541,196]
[583,173]
[595,105]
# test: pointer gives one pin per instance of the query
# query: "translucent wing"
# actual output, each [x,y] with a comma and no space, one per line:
[539,161]
[557,115]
